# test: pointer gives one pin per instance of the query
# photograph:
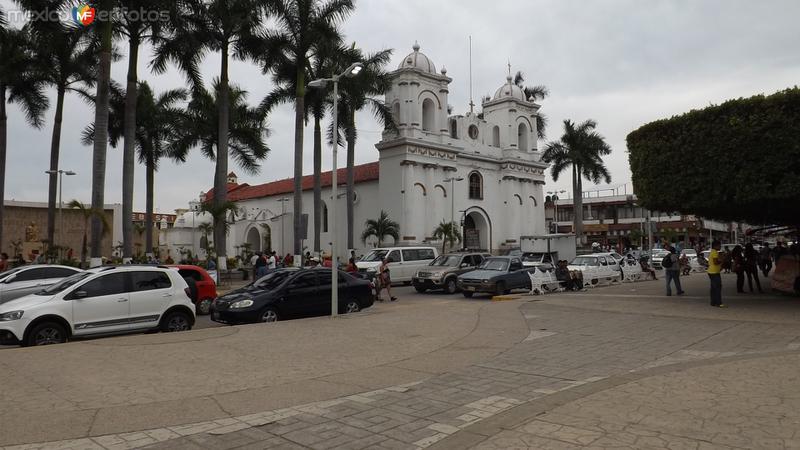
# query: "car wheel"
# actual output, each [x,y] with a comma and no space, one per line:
[450,286]
[467,294]
[269,315]
[204,306]
[500,288]
[352,306]
[421,289]
[176,321]
[46,333]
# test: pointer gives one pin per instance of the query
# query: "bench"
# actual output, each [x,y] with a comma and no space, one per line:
[593,276]
[544,282]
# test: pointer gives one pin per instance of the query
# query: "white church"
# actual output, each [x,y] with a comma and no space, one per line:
[482,171]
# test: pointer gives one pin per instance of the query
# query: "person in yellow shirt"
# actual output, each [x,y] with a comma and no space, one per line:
[714,269]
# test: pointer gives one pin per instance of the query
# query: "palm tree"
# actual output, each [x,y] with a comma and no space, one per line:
[20,83]
[220,214]
[448,232]
[381,228]
[582,148]
[360,93]
[299,25]
[229,27]
[534,93]
[88,214]
[157,124]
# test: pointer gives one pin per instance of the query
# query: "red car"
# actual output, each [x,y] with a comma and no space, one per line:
[204,290]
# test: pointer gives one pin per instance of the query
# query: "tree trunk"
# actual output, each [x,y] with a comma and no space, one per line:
[128,151]
[3,150]
[101,134]
[83,243]
[221,174]
[351,158]
[148,215]
[577,195]
[55,148]
[317,183]
[299,108]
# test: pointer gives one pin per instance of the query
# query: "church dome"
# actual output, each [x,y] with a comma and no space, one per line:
[509,89]
[417,60]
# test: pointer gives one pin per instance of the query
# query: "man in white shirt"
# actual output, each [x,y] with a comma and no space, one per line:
[272,261]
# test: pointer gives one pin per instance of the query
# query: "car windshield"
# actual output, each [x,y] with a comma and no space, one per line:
[272,280]
[532,257]
[446,260]
[494,264]
[64,284]
[375,255]
[584,261]
[690,251]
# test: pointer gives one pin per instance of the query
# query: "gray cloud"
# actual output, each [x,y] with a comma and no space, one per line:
[622,63]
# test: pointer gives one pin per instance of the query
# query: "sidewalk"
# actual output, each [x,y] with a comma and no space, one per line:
[428,371]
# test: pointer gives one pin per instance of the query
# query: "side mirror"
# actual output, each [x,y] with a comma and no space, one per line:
[10,278]
[80,294]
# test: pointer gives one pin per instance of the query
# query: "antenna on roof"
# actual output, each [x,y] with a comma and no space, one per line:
[471,103]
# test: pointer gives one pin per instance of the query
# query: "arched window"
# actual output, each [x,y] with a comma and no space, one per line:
[496,136]
[533,200]
[475,186]
[519,199]
[324,217]
[522,136]
[428,115]
[453,129]
[421,188]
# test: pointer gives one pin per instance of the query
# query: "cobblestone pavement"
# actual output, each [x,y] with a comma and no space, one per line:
[621,367]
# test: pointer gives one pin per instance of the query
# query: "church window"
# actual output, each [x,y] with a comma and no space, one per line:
[475,186]
[533,200]
[396,113]
[522,134]
[496,136]
[473,132]
[453,129]
[518,198]
[428,115]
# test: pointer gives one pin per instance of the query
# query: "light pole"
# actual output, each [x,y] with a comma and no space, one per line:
[351,71]
[61,174]
[555,205]
[452,181]
[283,201]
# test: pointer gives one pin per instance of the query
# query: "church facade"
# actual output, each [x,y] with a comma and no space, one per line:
[482,171]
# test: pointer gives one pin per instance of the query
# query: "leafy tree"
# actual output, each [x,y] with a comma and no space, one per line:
[88,214]
[582,149]
[738,161]
[449,233]
[534,93]
[21,84]
[380,229]
[220,214]
[300,24]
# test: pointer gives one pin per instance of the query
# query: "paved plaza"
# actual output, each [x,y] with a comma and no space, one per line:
[621,366]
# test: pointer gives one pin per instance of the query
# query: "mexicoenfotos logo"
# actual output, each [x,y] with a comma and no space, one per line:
[83,15]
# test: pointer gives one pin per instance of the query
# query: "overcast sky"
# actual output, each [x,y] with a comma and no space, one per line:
[622,63]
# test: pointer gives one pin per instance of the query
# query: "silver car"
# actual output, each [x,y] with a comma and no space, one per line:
[24,280]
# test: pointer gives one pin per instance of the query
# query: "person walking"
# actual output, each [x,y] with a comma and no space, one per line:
[253,261]
[261,266]
[672,272]
[737,266]
[766,260]
[714,277]
[385,279]
[751,258]
[272,261]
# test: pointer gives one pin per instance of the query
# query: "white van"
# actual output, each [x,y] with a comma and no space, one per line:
[405,261]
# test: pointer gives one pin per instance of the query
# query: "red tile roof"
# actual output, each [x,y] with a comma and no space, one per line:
[238,192]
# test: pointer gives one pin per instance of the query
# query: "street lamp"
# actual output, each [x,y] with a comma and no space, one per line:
[61,174]
[555,205]
[283,201]
[351,71]
[452,181]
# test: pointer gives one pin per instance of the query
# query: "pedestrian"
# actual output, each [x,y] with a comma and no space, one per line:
[351,266]
[715,279]
[307,260]
[751,258]
[766,260]
[3,262]
[385,279]
[563,276]
[737,266]
[261,266]
[253,260]
[288,260]
[646,267]
[210,264]
[672,272]
[272,261]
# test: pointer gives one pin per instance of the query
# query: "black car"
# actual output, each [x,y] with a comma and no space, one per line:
[496,275]
[291,292]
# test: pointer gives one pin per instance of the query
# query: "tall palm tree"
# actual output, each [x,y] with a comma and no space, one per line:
[534,93]
[358,93]
[157,125]
[299,25]
[220,215]
[231,28]
[381,228]
[20,83]
[582,149]
[88,214]
[449,233]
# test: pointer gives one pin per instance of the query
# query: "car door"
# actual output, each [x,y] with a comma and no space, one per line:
[519,278]
[151,294]
[409,265]
[323,306]
[301,296]
[396,266]
[101,305]
[25,282]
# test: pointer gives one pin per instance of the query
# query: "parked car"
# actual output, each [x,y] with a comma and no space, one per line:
[24,280]
[203,289]
[289,293]
[540,260]
[105,300]
[405,261]
[496,275]
[443,272]
[658,256]
[601,265]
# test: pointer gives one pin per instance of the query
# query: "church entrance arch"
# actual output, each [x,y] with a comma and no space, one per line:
[477,230]
[254,239]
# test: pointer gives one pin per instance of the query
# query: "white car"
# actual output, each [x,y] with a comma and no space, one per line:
[597,266]
[105,300]
[24,280]
[405,261]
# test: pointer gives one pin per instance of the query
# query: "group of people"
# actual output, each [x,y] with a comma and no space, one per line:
[571,280]
[263,262]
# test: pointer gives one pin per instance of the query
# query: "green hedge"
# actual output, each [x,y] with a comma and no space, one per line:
[736,161]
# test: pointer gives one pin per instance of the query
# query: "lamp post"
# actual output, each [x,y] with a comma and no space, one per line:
[61,174]
[351,71]
[452,181]
[283,201]
[555,205]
